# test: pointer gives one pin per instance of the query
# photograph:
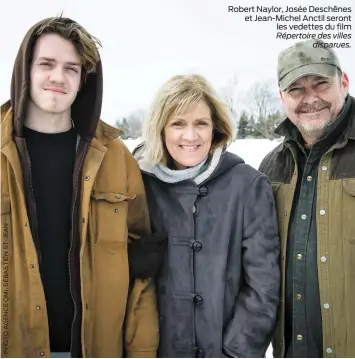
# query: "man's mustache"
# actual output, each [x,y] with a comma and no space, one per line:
[314,107]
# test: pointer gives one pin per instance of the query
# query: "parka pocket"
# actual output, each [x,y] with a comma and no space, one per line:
[108,219]
[6,229]
[348,207]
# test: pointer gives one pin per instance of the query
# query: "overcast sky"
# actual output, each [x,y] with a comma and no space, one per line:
[147,41]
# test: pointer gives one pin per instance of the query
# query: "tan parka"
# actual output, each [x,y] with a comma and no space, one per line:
[113,317]
[112,204]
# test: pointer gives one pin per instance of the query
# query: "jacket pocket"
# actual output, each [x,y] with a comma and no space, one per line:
[348,210]
[6,230]
[108,219]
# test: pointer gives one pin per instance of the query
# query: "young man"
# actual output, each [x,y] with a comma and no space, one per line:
[71,195]
[313,175]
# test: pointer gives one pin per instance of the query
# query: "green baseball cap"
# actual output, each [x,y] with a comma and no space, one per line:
[311,57]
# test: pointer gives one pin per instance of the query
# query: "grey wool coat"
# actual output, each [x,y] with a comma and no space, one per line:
[218,286]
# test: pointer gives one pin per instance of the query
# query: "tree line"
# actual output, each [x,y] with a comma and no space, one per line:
[256,113]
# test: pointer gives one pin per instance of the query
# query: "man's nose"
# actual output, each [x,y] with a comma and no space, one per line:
[310,96]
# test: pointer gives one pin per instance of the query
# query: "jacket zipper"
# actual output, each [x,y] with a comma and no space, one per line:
[70,274]
[71,242]
[34,220]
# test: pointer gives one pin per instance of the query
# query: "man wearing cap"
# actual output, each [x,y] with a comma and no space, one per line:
[313,178]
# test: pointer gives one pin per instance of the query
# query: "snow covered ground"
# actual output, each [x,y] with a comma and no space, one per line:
[252,152]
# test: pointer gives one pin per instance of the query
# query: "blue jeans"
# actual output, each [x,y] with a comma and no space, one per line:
[60,355]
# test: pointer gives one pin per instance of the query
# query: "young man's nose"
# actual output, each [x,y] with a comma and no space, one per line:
[57,75]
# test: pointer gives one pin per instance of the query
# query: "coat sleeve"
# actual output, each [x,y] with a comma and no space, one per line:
[141,324]
[249,332]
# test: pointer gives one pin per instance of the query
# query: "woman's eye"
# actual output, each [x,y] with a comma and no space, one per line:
[73,69]
[177,124]
[202,124]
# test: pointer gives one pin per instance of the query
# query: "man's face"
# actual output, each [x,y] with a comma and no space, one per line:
[312,102]
[55,74]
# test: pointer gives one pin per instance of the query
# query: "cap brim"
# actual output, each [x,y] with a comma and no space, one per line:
[323,70]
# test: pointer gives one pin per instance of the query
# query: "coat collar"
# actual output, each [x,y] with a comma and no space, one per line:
[291,133]
[103,135]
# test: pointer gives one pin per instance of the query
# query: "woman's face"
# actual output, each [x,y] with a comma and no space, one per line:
[188,136]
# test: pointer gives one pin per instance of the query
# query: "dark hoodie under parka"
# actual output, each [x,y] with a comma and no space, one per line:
[108,205]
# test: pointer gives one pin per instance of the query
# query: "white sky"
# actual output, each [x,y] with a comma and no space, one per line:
[147,41]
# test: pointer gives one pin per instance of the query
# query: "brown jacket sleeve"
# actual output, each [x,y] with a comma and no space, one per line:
[141,331]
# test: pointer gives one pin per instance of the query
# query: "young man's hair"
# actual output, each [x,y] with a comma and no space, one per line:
[85,44]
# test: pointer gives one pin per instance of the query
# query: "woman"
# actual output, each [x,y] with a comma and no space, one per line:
[218,287]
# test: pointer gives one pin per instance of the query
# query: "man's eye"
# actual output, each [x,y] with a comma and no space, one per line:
[45,64]
[295,89]
[321,83]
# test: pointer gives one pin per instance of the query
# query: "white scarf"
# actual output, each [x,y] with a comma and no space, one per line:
[198,173]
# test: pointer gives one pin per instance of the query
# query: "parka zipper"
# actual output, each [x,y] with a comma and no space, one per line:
[33,220]
[74,224]
[69,269]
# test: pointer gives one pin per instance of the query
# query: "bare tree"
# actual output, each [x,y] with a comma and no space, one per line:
[265,109]
[135,120]
[132,124]
[228,94]
[261,104]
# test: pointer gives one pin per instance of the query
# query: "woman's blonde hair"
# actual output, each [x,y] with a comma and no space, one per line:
[175,97]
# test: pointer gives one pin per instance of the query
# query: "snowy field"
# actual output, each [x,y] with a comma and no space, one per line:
[252,152]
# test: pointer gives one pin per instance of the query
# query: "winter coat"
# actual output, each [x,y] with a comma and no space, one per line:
[335,208]
[109,207]
[218,288]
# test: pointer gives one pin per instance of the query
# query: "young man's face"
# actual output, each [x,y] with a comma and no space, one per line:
[55,74]
[312,102]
